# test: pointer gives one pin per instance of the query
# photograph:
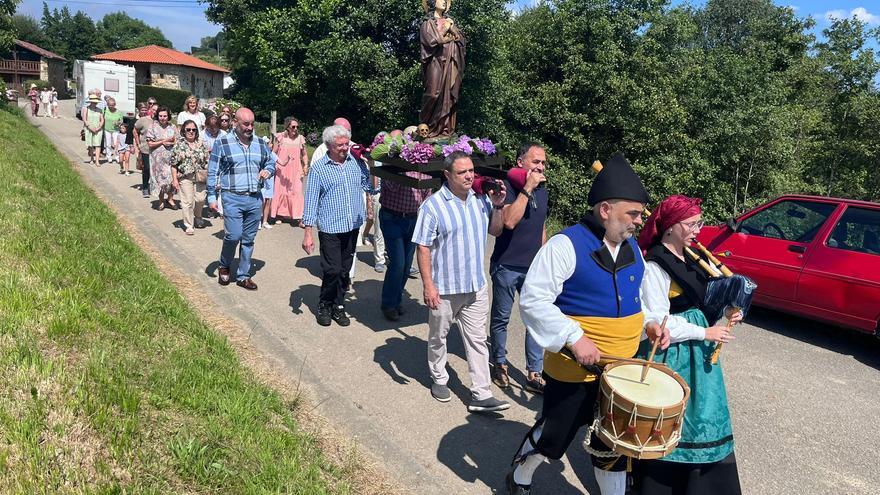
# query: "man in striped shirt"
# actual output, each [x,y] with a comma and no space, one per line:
[451,234]
[335,204]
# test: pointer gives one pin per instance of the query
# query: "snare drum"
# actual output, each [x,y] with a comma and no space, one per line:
[641,419]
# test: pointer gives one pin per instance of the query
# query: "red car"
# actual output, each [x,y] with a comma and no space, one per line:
[812,256]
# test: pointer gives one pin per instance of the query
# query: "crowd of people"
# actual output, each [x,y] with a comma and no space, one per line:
[598,288]
[43,99]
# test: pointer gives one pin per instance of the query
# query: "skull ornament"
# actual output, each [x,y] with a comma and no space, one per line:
[423,130]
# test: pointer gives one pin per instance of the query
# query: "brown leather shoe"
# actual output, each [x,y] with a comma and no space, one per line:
[223,276]
[247,284]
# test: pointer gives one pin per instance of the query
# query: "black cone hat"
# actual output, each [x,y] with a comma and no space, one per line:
[617,180]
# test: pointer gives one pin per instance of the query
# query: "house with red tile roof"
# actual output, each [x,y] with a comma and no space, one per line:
[25,61]
[168,68]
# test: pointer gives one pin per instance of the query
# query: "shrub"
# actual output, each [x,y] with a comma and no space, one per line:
[40,84]
[167,97]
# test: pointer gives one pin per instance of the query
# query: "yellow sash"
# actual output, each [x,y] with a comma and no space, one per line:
[613,336]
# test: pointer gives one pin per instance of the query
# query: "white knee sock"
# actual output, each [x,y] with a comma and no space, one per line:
[522,474]
[611,482]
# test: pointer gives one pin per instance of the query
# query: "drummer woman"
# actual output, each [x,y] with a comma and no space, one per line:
[673,285]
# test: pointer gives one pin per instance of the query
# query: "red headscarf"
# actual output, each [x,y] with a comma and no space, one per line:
[669,212]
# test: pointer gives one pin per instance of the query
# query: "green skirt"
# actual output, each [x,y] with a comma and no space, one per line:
[706,435]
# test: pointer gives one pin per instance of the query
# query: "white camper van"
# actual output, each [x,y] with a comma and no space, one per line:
[111,78]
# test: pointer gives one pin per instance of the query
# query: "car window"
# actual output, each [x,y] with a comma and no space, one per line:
[797,221]
[857,230]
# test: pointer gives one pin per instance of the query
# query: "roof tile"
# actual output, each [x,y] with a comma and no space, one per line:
[153,54]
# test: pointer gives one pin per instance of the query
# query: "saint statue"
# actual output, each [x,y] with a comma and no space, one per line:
[442,68]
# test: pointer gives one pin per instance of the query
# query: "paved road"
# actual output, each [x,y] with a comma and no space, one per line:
[803,395]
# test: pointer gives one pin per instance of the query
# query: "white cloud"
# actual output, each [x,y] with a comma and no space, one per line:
[859,13]
[863,15]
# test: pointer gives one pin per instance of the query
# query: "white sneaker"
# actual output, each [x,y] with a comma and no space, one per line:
[267,226]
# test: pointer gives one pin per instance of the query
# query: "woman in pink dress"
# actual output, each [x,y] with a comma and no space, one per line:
[291,167]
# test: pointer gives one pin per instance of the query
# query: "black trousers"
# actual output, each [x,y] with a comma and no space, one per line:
[659,477]
[567,408]
[337,255]
[145,173]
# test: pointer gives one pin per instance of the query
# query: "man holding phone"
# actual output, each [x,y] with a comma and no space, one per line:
[525,215]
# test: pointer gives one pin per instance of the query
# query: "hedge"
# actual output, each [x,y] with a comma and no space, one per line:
[171,98]
[26,84]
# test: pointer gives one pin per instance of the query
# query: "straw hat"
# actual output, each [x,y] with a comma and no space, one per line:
[93,98]
[33,85]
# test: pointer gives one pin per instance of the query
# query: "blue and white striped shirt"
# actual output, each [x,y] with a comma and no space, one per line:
[456,232]
[237,165]
[335,195]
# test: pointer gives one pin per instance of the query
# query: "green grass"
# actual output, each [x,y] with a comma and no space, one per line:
[111,382]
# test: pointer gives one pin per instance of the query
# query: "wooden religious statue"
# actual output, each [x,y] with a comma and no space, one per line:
[443,47]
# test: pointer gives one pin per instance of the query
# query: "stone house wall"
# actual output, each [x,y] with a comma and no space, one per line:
[53,72]
[200,82]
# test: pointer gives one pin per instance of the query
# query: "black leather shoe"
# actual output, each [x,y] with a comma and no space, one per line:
[247,284]
[339,316]
[324,318]
[391,314]
[514,489]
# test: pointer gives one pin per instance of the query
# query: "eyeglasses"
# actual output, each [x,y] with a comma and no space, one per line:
[224,120]
[189,130]
[294,127]
[692,226]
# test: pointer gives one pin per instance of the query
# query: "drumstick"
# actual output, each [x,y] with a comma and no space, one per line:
[653,350]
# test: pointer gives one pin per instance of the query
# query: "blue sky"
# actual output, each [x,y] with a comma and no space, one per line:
[184,22]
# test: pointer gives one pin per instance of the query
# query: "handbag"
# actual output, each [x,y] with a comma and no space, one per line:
[82,134]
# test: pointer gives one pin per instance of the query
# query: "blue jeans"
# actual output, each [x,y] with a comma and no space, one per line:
[506,282]
[241,218]
[398,233]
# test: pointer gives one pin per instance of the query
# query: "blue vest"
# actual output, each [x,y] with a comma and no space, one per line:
[593,289]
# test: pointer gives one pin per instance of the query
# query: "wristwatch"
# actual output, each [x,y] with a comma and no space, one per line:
[525,193]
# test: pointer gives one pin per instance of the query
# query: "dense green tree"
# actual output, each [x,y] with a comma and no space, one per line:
[72,36]
[28,29]
[119,31]
[320,58]
[212,49]
[734,101]
[7,28]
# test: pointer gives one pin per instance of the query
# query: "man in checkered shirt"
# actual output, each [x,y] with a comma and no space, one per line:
[335,205]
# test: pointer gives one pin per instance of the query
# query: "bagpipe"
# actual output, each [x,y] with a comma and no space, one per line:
[725,290]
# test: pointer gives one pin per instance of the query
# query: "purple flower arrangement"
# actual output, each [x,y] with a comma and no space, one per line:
[413,151]
[312,138]
[417,152]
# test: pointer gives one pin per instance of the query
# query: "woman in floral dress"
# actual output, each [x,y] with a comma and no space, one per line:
[161,138]
[189,161]
[291,167]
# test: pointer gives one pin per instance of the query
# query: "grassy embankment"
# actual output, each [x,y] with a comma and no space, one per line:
[111,382]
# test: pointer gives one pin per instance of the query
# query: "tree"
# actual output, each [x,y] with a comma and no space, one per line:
[28,29]
[119,31]
[212,49]
[7,28]
[72,36]
[360,58]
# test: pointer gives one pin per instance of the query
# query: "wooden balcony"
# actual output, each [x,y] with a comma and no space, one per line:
[23,67]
